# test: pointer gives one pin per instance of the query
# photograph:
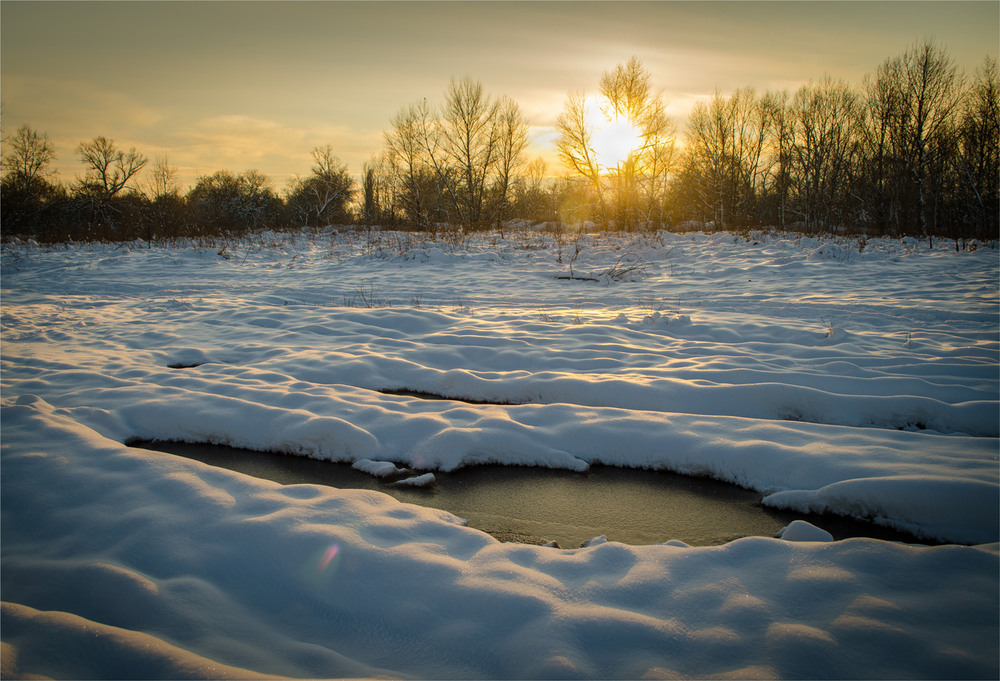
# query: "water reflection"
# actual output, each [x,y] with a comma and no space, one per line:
[535,505]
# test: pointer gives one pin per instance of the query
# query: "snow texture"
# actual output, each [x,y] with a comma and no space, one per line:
[380,469]
[800,530]
[418,480]
[827,376]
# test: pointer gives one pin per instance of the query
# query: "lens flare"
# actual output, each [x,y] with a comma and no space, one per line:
[328,556]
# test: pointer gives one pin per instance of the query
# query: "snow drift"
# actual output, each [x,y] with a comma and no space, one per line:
[860,383]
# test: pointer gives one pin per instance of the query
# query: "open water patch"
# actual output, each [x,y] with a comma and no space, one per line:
[403,392]
[538,505]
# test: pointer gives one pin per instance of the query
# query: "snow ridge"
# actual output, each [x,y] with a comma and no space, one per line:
[828,378]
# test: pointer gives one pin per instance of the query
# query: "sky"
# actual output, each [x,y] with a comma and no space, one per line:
[238,85]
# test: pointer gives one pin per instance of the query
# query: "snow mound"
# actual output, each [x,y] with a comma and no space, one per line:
[133,566]
[380,469]
[912,503]
[800,530]
[832,251]
[424,480]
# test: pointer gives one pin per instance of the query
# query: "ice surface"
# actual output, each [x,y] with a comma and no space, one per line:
[861,382]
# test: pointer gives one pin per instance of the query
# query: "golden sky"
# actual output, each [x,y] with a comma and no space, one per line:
[238,85]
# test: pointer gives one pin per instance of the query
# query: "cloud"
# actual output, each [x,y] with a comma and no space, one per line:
[238,142]
[63,104]
[71,111]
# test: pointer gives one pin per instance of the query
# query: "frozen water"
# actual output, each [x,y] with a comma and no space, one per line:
[518,503]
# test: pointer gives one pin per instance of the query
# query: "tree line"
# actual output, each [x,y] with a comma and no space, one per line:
[913,149]
[110,202]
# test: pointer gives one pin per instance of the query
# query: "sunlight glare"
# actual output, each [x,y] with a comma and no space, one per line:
[613,140]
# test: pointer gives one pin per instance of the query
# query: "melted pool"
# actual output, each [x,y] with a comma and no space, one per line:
[536,505]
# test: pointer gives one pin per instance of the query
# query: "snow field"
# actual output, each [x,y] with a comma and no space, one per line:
[861,382]
[185,570]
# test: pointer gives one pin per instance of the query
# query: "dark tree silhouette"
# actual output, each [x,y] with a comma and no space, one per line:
[109,169]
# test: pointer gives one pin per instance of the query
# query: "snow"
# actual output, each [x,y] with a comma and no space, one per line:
[800,530]
[831,375]
[380,469]
[418,480]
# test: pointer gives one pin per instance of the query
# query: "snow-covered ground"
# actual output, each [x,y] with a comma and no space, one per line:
[826,375]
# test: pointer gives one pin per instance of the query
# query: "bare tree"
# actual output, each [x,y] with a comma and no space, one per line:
[469,145]
[27,158]
[164,179]
[575,146]
[259,203]
[929,89]
[410,145]
[511,132]
[710,155]
[532,199]
[166,211]
[979,149]
[749,132]
[639,178]
[826,119]
[26,193]
[732,150]
[323,197]
[459,165]
[377,205]
[475,149]
[109,169]
[225,200]
[774,107]
[882,149]
[631,183]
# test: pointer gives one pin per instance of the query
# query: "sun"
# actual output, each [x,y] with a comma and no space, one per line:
[612,139]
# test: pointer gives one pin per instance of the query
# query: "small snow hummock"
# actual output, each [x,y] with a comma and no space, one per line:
[800,530]
[419,481]
[380,469]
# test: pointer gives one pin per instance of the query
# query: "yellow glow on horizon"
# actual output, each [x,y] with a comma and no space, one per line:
[225,103]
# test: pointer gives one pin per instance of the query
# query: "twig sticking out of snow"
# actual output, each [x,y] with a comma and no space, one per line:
[628,265]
